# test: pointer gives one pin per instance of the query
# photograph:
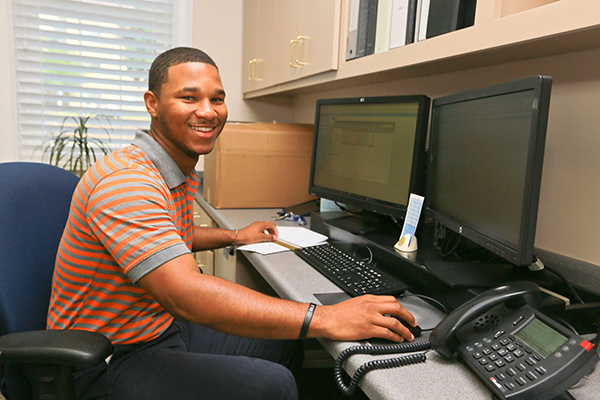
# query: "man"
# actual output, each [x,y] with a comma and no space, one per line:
[124,267]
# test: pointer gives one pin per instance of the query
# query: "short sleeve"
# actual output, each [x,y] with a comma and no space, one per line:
[133,215]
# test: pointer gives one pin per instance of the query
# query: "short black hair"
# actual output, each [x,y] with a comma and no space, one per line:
[159,70]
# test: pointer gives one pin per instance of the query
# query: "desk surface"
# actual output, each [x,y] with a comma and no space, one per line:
[438,378]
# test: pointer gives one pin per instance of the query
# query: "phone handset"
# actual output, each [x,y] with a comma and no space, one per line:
[443,337]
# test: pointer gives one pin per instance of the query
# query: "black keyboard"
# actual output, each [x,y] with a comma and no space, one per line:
[353,276]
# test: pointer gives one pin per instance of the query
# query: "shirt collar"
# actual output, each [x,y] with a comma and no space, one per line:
[160,158]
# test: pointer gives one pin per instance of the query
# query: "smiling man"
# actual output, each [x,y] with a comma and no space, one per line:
[124,267]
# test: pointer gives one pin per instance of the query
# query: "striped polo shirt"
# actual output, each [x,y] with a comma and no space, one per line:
[130,213]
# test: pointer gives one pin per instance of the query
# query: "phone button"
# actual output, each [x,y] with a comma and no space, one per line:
[540,370]
[498,334]
[518,353]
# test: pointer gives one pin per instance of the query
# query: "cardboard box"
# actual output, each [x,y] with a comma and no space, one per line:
[259,165]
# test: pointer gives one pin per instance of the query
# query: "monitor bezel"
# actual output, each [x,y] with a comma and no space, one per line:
[417,178]
[523,253]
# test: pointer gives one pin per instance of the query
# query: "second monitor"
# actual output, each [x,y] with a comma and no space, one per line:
[369,153]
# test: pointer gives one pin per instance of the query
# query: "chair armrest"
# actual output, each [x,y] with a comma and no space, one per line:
[72,347]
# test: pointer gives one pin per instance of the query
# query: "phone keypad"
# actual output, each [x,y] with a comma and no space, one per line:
[507,361]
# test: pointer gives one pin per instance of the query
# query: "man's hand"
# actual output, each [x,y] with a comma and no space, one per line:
[261,231]
[215,238]
[362,318]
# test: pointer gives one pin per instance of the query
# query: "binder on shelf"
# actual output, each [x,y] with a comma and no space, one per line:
[402,30]
[367,21]
[449,15]
[371,27]
[361,28]
[352,38]
[421,20]
[384,25]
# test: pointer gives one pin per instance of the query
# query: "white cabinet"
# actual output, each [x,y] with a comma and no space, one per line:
[307,38]
[258,50]
[285,40]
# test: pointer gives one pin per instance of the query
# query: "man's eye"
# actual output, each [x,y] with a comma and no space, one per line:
[188,98]
[218,100]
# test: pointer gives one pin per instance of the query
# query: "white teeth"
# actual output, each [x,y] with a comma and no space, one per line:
[201,129]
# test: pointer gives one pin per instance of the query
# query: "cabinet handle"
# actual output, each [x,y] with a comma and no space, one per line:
[293,63]
[300,41]
[252,70]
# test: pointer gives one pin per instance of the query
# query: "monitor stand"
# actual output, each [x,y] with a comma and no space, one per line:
[363,223]
[470,274]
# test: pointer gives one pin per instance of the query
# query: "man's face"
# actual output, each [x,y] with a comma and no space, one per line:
[190,112]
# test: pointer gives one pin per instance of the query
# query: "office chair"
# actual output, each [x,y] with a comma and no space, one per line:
[36,363]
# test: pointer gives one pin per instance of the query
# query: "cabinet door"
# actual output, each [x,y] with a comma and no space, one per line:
[258,44]
[204,259]
[225,264]
[307,38]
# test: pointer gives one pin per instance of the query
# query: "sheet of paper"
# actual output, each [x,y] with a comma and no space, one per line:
[263,248]
[291,236]
[299,237]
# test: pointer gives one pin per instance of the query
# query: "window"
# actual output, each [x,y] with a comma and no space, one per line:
[82,57]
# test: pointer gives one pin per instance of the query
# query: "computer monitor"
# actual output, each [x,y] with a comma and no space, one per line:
[485,165]
[369,153]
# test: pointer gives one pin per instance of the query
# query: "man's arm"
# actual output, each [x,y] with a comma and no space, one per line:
[217,303]
[214,238]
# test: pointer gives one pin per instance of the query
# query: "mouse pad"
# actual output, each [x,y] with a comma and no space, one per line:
[328,299]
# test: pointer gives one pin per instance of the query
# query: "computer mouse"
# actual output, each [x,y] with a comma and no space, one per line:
[415,330]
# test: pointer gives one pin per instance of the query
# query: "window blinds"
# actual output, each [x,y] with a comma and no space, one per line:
[82,57]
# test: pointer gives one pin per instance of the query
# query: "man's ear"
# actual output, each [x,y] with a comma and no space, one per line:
[151,103]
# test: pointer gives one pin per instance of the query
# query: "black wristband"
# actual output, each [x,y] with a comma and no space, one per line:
[307,319]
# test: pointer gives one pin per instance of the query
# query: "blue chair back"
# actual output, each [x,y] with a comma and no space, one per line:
[34,204]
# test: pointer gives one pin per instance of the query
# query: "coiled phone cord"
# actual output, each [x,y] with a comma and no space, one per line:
[398,348]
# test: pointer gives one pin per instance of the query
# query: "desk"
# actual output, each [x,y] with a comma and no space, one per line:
[436,379]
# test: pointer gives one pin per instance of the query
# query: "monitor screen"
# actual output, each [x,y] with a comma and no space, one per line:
[369,153]
[485,164]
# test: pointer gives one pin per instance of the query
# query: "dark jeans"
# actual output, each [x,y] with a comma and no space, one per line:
[190,361]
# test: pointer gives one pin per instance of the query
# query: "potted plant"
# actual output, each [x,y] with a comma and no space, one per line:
[73,148]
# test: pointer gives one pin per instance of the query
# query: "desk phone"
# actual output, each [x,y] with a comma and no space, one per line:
[517,351]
